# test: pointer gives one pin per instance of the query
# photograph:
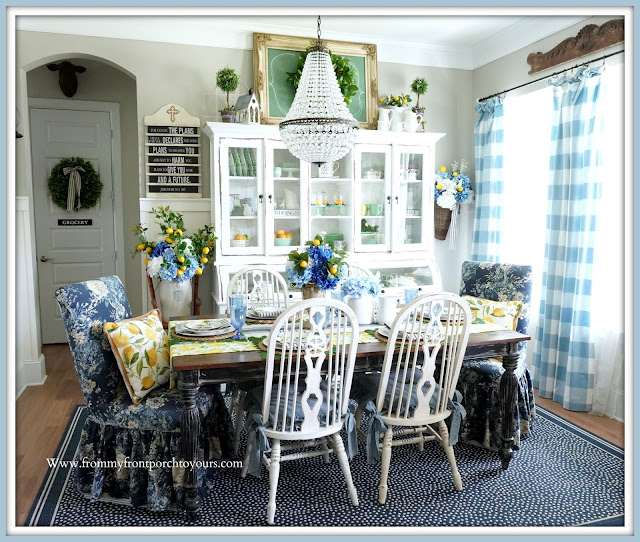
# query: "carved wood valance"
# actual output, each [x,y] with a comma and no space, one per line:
[590,38]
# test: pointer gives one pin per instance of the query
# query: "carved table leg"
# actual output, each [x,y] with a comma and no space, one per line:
[189,432]
[508,404]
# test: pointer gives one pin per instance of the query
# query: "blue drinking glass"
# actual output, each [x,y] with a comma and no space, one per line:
[410,294]
[238,311]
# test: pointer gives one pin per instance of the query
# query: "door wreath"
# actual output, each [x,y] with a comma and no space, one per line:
[74,184]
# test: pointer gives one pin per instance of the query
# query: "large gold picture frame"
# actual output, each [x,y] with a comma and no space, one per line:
[264,69]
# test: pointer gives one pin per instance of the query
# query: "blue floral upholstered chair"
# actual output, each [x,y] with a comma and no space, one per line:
[116,428]
[479,380]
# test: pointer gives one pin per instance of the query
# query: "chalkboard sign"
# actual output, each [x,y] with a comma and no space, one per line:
[281,91]
[172,152]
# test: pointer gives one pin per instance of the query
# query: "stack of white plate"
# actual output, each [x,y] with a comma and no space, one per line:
[205,328]
[264,313]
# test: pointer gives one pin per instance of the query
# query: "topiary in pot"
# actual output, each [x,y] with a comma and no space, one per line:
[419,86]
[227,81]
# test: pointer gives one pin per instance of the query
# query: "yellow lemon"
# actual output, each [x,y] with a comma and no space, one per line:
[204,259]
[121,340]
[279,232]
[488,319]
[198,270]
[133,329]
[498,312]
[316,242]
[439,186]
[318,202]
[178,232]
[183,268]
[282,236]
[396,98]
[168,240]
[110,325]
[289,235]
[150,333]
[381,100]
[148,249]
[181,259]
[455,174]
[165,354]
[443,169]
[146,261]
[303,264]
[460,189]
[128,352]
[140,246]
[333,270]
[205,250]
[169,231]
[404,100]
[147,382]
[179,272]
[153,357]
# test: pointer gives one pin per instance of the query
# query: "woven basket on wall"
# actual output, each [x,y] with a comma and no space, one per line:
[441,221]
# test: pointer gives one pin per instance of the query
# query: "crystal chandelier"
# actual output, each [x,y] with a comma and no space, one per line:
[318,127]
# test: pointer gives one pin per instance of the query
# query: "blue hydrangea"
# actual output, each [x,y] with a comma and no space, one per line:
[159,249]
[356,287]
[168,272]
[295,279]
[169,254]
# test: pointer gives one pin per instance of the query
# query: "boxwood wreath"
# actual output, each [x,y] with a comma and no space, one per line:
[90,184]
[345,74]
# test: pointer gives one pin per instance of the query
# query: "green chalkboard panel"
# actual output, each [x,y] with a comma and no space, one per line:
[281,92]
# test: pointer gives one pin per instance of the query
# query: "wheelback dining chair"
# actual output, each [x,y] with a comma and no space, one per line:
[407,394]
[117,428]
[479,380]
[304,400]
[263,288]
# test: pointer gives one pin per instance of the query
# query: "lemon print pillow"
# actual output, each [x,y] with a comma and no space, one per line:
[498,314]
[141,347]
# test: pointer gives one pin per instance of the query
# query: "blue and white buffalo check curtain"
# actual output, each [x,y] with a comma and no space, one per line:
[564,350]
[489,148]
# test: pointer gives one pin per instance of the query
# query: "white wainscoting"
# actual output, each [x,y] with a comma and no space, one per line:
[30,362]
[196,213]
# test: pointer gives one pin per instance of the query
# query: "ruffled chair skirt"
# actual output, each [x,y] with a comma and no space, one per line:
[145,467]
[479,383]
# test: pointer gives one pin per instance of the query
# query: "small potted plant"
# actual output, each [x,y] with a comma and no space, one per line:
[369,233]
[360,293]
[394,100]
[227,81]
[419,86]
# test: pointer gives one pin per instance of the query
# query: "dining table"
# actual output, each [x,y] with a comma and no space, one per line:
[215,362]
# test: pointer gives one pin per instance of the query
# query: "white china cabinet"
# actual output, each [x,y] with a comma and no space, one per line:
[378,200]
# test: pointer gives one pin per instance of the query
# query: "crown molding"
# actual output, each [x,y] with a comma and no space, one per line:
[216,32]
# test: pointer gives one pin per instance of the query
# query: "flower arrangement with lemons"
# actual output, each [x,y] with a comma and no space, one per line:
[171,255]
[397,100]
[452,187]
[318,265]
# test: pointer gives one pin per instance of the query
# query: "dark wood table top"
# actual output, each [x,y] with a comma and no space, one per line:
[235,360]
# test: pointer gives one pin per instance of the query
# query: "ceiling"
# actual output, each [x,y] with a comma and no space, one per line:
[424,37]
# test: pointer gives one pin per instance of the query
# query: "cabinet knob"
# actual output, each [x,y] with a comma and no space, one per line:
[269,198]
[260,197]
[388,199]
[397,199]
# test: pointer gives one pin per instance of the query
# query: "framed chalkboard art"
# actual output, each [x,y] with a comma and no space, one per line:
[274,56]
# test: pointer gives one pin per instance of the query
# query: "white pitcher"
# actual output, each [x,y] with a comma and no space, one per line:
[385,116]
[411,121]
[387,308]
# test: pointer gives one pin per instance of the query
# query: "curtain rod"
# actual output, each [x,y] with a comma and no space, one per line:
[549,76]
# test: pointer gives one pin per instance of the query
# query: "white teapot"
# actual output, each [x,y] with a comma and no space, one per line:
[411,120]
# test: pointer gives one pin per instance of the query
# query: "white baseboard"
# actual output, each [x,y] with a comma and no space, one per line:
[30,373]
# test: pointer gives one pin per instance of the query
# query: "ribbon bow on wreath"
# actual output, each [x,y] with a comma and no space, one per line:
[66,183]
[75,186]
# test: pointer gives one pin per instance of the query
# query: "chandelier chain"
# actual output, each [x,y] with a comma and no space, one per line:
[319,40]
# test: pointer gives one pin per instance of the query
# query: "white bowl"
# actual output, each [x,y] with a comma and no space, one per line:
[239,242]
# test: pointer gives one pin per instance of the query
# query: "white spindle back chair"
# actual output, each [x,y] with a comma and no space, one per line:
[262,286]
[431,326]
[311,377]
[358,271]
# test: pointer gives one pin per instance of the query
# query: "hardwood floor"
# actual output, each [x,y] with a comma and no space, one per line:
[42,413]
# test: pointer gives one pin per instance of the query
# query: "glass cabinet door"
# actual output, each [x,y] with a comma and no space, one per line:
[372,198]
[412,199]
[331,202]
[285,204]
[242,208]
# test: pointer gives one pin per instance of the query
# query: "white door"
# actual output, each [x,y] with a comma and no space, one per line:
[76,246]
